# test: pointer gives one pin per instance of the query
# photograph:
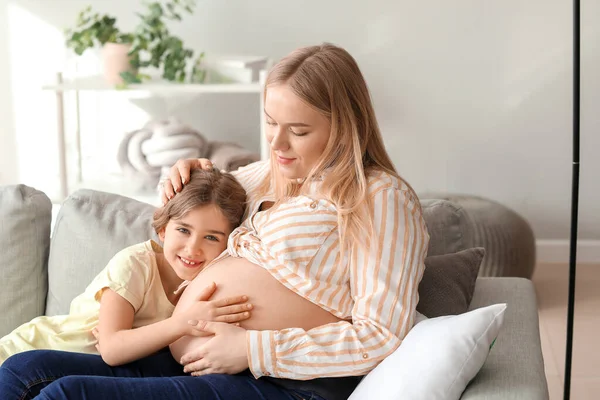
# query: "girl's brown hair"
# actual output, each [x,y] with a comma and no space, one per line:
[327,78]
[204,188]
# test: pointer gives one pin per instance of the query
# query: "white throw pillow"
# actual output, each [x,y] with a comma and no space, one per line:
[437,359]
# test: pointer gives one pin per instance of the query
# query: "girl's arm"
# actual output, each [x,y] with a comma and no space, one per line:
[119,343]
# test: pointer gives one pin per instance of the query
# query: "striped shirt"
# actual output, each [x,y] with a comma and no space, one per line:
[297,241]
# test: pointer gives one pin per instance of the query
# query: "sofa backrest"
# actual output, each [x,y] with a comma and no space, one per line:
[93,226]
[25,215]
[447,225]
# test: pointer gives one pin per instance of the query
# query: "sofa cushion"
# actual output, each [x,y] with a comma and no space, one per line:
[515,367]
[90,229]
[437,359]
[449,282]
[447,226]
[25,215]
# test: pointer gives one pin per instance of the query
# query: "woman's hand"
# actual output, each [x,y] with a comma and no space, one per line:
[180,175]
[224,353]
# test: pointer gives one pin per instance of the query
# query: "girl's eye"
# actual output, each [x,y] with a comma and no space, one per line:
[183,230]
[271,123]
[212,238]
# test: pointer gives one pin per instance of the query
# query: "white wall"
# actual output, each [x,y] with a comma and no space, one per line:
[472,96]
[8,160]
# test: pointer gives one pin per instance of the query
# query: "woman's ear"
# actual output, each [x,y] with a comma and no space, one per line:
[161,234]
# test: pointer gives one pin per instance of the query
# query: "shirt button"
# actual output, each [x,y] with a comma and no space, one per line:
[365,355]
[267,374]
[313,204]
[246,245]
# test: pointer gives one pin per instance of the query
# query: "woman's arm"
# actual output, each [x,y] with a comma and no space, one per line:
[249,176]
[384,282]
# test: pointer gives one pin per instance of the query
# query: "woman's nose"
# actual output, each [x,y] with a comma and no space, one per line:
[279,141]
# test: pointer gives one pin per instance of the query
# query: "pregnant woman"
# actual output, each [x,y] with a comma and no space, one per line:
[330,255]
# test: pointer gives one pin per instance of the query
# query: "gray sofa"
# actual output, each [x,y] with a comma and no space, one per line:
[41,273]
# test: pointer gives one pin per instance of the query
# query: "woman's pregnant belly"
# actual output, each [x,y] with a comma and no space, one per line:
[275,307]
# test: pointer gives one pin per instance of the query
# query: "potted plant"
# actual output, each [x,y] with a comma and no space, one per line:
[93,29]
[151,44]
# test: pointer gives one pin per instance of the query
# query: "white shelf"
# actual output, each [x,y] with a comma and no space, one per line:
[97,83]
[153,88]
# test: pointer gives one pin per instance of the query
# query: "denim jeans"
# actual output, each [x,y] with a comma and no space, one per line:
[55,375]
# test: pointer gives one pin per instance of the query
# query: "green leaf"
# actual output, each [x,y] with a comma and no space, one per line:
[130,77]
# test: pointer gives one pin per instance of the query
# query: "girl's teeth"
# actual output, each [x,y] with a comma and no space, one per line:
[188,262]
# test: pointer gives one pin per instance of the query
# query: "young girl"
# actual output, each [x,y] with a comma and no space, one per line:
[125,313]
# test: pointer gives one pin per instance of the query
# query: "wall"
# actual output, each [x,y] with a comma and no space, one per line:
[8,160]
[472,96]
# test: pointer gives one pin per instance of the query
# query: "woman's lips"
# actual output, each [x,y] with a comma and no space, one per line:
[284,160]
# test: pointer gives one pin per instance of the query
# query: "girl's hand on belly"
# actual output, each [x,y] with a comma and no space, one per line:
[230,310]
[224,353]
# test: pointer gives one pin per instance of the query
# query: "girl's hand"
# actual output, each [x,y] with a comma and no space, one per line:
[96,334]
[225,353]
[230,310]
[180,175]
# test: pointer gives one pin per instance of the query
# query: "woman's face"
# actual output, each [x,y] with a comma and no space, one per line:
[296,132]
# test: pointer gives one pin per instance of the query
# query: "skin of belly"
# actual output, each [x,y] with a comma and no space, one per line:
[275,307]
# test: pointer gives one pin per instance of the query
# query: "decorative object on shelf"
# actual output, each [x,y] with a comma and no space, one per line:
[146,155]
[151,44]
[234,69]
[116,60]
[230,156]
[93,29]
[506,236]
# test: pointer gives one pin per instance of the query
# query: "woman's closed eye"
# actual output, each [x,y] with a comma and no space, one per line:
[298,133]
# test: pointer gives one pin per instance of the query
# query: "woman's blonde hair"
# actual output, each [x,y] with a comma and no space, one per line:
[327,78]
[205,188]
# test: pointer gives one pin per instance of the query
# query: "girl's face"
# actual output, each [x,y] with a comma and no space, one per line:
[191,242]
[296,132]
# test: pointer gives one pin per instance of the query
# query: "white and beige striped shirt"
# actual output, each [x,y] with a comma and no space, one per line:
[298,243]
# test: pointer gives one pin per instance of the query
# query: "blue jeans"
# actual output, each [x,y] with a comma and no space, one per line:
[55,375]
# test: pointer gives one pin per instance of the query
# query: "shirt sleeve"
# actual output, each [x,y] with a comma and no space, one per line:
[126,274]
[252,175]
[383,280]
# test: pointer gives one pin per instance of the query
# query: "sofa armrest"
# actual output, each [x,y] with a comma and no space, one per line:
[514,369]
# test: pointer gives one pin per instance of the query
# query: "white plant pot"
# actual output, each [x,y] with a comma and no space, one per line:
[115,60]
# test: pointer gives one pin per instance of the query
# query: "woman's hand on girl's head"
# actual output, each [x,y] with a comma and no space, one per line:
[225,353]
[180,175]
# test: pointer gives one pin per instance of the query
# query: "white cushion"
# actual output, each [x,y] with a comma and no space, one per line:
[437,359]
